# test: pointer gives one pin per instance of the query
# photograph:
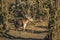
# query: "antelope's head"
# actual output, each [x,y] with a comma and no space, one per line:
[29,18]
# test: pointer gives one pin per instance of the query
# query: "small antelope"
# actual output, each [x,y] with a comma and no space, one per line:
[25,21]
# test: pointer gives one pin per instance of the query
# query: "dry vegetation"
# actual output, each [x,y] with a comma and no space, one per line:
[44,12]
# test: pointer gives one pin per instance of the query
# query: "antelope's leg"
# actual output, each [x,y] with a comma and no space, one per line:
[25,25]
